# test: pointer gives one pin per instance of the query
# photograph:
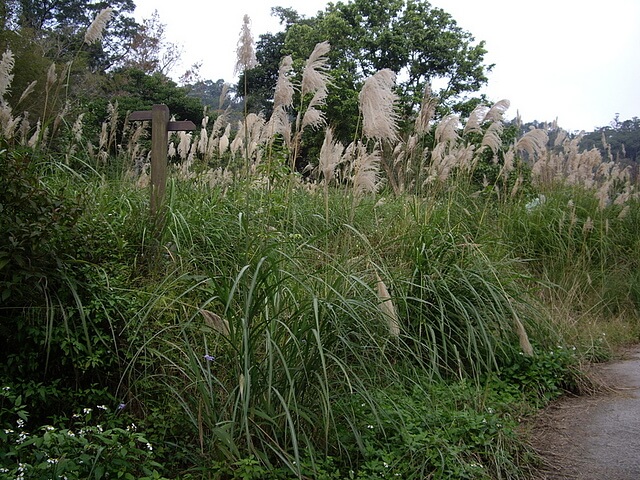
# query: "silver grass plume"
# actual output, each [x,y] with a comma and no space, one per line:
[245,53]
[27,91]
[313,117]
[534,142]
[447,130]
[6,77]
[492,137]
[366,171]
[427,111]
[314,76]
[283,94]
[94,32]
[377,104]
[330,156]
[496,112]
[523,338]
[223,95]
[203,141]
[216,322]
[387,307]
[279,123]
[476,118]
[9,124]
[52,77]
[184,146]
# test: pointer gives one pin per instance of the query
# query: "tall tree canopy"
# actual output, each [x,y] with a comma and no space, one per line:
[423,45]
[59,26]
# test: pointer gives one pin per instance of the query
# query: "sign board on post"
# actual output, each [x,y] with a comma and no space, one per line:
[160,128]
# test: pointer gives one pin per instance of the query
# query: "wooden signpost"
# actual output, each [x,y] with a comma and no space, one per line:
[160,128]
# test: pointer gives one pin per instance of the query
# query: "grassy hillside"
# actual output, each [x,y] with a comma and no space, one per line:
[395,310]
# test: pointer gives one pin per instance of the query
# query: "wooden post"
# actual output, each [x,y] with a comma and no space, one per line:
[160,128]
[159,146]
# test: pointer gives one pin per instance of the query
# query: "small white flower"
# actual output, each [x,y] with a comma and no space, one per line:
[370,427]
[20,423]
[149,447]
[102,407]
[87,411]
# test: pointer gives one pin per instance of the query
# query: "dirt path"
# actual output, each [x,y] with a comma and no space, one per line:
[595,437]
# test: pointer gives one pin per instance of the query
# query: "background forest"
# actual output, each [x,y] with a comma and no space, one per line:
[361,268]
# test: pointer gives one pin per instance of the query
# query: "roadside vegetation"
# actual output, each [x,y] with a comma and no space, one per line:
[394,307]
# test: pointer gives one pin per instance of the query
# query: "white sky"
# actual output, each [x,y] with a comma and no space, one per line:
[574,60]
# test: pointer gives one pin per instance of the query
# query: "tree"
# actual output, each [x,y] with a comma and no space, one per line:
[59,25]
[149,49]
[621,139]
[421,44]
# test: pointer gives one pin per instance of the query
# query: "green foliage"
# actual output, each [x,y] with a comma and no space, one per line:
[35,226]
[547,375]
[460,302]
[401,35]
[78,448]
[621,139]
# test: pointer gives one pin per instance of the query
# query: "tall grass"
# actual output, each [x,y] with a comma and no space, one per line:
[309,327]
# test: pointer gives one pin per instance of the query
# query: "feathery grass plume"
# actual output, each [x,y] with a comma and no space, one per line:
[33,141]
[427,111]
[366,170]
[52,77]
[245,52]
[492,138]
[95,30]
[27,91]
[9,125]
[496,112]
[238,141]
[447,130]
[314,76]
[312,116]
[223,144]
[523,338]
[171,150]
[6,77]
[283,94]
[377,105]
[330,156]
[184,146]
[25,128]
[387,307]
[224,95]
[203,141]
[534,142]
[216,322]
[6,114]
[476,118]
[279,123]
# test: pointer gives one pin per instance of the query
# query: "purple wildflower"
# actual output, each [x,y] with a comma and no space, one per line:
[209,358]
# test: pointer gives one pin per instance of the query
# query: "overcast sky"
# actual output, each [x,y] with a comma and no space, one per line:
[574,60]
